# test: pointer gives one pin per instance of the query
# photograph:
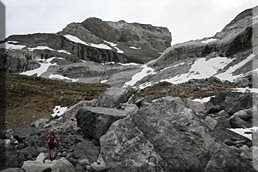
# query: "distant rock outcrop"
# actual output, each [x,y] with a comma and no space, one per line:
[139,42]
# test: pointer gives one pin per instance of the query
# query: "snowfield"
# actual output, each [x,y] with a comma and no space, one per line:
[201,69]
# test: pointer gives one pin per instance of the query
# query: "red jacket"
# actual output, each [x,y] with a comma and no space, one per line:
[49,136]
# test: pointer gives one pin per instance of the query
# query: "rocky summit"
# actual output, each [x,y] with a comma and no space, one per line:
[120,98]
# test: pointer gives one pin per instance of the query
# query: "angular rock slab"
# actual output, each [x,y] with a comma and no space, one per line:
[113,97]
[95,121]
[53,166]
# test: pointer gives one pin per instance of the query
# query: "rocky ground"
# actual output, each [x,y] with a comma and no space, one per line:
[167,134]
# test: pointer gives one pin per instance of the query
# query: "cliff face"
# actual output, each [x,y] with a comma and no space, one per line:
[139,42]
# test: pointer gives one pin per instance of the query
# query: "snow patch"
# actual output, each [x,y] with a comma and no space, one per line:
[13,42]
[145,85]
[135,48]
[101,46]
[169,67]
[129,64]
[78,40]
[111,44]
[13,45]
[59,111]
[245,90]
[201,69]
[118,50]
[122,64]
[114,46]
[42,69]
[47,48]
[104,81]
[227,75]
[108,63]
[203,100]
[209,40]
[75,39]
[138,76]
[246,132]
[56,76]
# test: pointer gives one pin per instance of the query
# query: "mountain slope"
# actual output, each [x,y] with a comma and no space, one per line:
[227,55]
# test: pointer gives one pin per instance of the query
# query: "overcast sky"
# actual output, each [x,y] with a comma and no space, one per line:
[186,19]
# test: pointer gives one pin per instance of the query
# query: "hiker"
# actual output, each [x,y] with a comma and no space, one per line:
[139,103]
[53,140]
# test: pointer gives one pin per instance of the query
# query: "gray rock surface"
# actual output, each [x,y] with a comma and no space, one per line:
[148,41]
[86,150]
[54,166]
[234,38]
[114,97]
[227,159]
[165,136]
[231,102]
[237,122]
[25,131]
[95,121]
[17,61]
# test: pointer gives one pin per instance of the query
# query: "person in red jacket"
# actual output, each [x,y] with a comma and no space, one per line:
[53,140]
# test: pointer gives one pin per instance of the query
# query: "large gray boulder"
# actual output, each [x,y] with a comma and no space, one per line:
[114,97]
[95,121]
[86,150]
[226,159]
[60,165]
[165,136]
[23,132]
[231,102]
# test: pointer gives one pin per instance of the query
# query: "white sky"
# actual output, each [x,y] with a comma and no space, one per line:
[186,19]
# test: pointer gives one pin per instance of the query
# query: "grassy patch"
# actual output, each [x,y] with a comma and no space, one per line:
[30,98]
[184,90]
